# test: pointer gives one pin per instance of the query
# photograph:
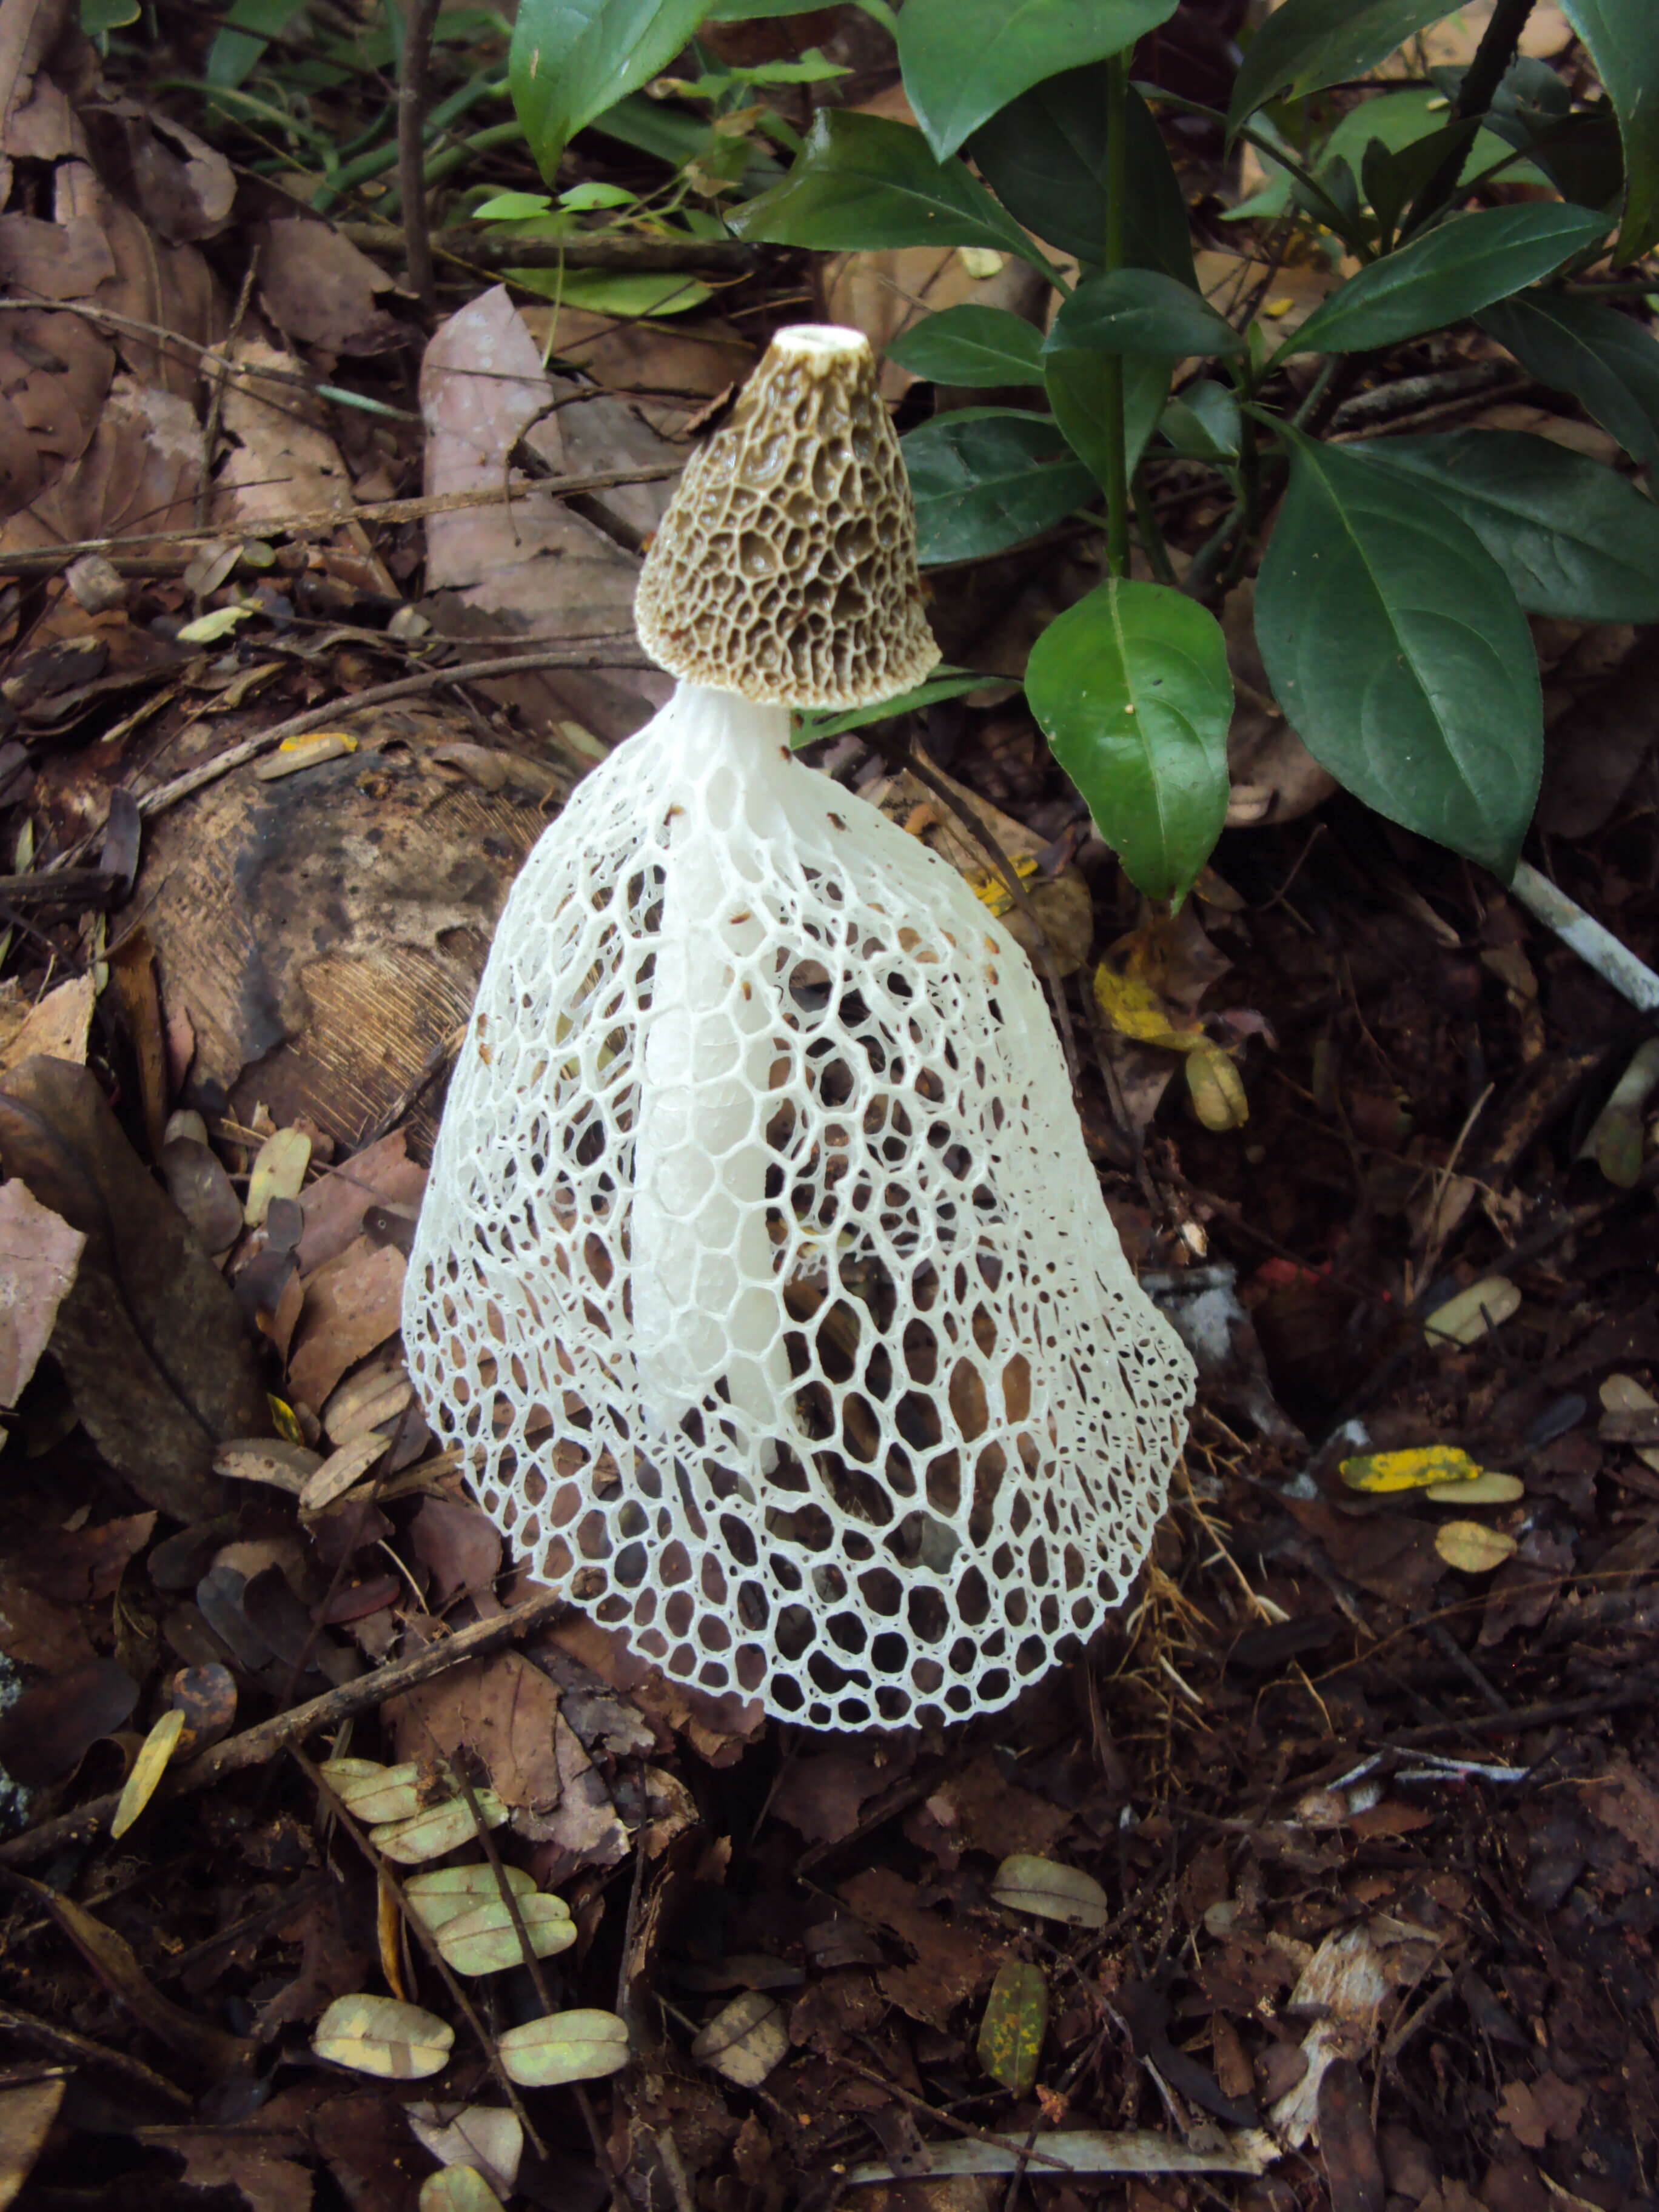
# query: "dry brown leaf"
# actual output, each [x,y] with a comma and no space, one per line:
[39,1255]
[538,565]
[138,472]
[54,376]
[319,290]
[283,460]
[148,1338]
[504,1709]
[26,2113]
[382,1174]
[352,1305]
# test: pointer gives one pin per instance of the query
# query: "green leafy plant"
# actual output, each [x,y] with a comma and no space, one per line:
[1391,602]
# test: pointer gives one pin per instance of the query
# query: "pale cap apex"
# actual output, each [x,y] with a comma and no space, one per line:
[784,568]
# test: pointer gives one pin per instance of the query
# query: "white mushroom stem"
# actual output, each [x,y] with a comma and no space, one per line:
[704,1301]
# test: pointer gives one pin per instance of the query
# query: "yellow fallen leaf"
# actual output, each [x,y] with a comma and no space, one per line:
[1487,1488]
[1467,1318]
[344,739]
[1015,2021]
[1420,1468]
[383,2036]
[1135,1009]
[147,1769]
[1473,1547]
[1216,1091]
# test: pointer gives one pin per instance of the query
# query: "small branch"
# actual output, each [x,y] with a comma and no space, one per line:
[487,246]
[48,559]
[1481,79]
[419,17]
[254,1746]
[378,695]
[1598,948]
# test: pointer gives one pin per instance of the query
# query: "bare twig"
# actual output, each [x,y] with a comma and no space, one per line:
[48,559]
[378,695]
[254,1746]
[419,16]
[485,247]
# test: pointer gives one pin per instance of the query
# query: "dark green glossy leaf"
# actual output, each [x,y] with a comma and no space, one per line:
[1308,43]
[1623,39]
[949,684]
[964,59]
[1203,425]
[1396,645]
[986,477]
[1131,689]
[971,345]
[571,59]
[1445,275]
[1140,310]
[1044,157]
[1076,384]
[864,183]
[757,12]
[1574,539]
[1609,362]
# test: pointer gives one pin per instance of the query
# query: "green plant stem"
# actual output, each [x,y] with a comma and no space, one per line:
[1493,57]
[1151,538]
[1335,218]
[1115,243]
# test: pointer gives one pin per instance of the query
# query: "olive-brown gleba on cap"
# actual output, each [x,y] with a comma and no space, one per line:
[785,569]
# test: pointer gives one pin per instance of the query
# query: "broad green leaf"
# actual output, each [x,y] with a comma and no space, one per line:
[614,291]
[1395,644]
[964,59]
[949,684]
[1045,159]
[1574,539]
[99,17]
[1398,123]
[1445,275]
[443,1893]
[1140,310]
[383,2036]
[1308,43]
[246,30]
[564,2046]
[1131,689]
[971,345]
[572,59]
[757,11]
[483,1940]
[745,2039]
[1049,1890]
[1014,2023]
[1204,423]
[985,477]
[147,1769]
[863,183]
[1609,363]
[1076,385]
[1623,39]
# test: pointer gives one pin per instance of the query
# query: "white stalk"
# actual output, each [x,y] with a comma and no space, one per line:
[704,1302]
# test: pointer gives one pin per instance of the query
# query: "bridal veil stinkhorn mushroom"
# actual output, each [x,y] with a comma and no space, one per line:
[763,1282]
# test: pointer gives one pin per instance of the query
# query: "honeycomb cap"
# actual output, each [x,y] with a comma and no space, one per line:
[784,568]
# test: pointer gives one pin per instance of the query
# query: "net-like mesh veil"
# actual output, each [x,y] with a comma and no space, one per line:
[763,1280]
